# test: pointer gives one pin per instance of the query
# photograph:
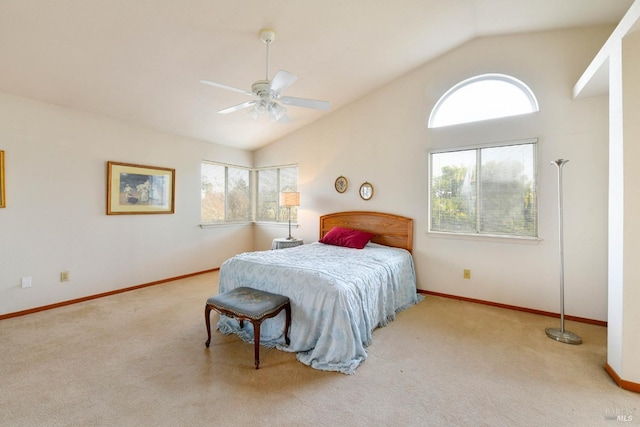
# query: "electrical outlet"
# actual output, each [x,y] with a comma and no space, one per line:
[467,274]
[26,282]
[64,276]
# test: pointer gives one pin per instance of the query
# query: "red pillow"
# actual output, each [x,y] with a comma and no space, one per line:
[347,237]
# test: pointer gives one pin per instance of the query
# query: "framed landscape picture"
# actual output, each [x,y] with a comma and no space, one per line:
[139,189]
[2,198]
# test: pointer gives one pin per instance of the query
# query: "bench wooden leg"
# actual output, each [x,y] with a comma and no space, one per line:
[287,325]
[207,320]
[256,343]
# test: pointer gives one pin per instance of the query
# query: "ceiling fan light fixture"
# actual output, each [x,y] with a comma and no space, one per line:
[259,109]
[277,112]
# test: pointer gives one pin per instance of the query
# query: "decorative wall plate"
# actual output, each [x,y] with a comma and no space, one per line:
[341,184]
[366,191]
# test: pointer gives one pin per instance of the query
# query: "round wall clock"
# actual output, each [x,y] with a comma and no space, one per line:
[366,191]
[341,184]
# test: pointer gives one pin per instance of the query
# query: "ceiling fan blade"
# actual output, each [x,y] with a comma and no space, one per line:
[306,103]
[281,81]
[238,107]
[221,86]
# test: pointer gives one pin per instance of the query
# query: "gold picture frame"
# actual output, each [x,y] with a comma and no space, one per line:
[138,189]
[341,184]
[2,193]
[366,191]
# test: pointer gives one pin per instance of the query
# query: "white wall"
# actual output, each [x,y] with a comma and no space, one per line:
[383,139]
[615,322]
[627,303]
[55,219]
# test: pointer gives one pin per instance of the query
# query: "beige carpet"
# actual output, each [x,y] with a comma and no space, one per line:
[138,359]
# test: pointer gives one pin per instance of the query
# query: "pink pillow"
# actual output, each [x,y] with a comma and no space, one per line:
[347,237]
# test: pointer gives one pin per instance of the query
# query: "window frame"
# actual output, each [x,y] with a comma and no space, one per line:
[519,84]
[479,234]
[280,216]
[253,195]
[226,167]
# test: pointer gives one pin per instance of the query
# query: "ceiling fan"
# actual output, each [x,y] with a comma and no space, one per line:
[267,94]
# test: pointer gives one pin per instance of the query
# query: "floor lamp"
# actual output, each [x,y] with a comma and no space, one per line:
[289,199]
[560,334]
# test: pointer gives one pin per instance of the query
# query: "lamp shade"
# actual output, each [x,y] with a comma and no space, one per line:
[290,198]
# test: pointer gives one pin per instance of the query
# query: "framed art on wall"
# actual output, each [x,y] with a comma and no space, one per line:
[139,189]
[366,191]
[341,184]
[2,196]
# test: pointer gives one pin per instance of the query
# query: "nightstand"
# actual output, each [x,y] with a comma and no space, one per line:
[283,243]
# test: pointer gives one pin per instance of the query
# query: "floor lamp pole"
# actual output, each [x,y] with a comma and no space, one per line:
[560,334]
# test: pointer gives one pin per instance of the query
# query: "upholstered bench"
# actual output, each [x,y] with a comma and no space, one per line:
[249,304]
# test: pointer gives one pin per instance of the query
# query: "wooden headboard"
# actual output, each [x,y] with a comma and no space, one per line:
[390,230]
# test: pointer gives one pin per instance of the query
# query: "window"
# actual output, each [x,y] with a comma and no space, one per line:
[489,190]
[225,193]
[483,97]
[271,182]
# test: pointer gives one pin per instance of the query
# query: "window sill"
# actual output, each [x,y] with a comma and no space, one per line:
[276,224]
[486,237]
[251,223]
[225,224]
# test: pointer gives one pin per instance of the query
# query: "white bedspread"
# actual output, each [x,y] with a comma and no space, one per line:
[338,297]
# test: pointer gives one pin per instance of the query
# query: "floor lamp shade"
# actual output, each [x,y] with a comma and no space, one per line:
[290,199]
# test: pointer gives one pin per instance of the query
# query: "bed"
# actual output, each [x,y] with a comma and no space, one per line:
[338,295]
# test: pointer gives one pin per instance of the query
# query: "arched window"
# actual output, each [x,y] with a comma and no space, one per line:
[483,97]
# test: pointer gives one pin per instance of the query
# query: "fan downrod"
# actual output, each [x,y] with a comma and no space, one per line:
[267,35]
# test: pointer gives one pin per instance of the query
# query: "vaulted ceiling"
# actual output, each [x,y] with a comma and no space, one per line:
[141,60]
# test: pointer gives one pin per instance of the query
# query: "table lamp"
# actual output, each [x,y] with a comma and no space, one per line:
[290,199]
